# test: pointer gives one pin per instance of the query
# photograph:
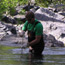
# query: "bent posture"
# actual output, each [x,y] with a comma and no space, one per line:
[35,33]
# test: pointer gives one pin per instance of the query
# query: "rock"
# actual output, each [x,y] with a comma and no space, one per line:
[28,7]
[19,16]
[56,11]
[62,13]
[50,41]
[59,6]
[13,30]
[32,1]
[56,33]
[9,20]
[8,33]
[23,20]
[44,14]
[6,19]
[2,34]
[62,35]
[53,28]
[62,39]
[34,9]
[14,40]
[53,24]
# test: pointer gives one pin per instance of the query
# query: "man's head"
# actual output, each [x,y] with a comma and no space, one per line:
[30,16]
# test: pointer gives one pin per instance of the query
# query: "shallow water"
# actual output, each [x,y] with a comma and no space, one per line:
[19,56]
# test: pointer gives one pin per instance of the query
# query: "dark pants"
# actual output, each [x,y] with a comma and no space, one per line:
[37,49]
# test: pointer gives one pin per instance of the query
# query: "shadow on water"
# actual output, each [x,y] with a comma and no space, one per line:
[20,56]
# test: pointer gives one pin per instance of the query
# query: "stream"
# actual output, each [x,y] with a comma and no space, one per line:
[21,56]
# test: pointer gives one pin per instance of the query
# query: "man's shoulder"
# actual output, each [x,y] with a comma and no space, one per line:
[38,23]
[26,22]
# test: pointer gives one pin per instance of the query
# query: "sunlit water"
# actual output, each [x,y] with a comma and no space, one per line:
[19,56]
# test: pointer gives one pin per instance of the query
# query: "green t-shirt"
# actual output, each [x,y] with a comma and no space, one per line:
[38,28]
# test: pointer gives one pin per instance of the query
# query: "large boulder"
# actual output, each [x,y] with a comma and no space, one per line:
[50,41]
[53,24]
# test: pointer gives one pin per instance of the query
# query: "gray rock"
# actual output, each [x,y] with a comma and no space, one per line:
[50,41]
[53,29]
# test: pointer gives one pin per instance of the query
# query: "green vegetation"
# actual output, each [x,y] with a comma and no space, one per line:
[8,6]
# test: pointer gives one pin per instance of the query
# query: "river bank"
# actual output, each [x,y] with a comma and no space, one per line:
[53,28]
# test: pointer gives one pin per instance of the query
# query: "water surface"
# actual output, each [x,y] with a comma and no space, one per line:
[19,56]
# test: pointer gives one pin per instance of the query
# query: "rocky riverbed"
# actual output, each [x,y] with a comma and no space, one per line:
[53,30]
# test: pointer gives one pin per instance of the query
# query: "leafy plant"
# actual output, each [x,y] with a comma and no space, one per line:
[5,5]
[10,5]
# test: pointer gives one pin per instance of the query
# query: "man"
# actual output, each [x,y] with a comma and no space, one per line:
[35,33]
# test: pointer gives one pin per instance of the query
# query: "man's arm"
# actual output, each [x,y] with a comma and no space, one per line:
[24,28]
[37,39]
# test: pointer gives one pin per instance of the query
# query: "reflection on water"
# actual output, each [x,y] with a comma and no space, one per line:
[18,56]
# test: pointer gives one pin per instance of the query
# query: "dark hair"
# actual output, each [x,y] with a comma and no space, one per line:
[30,15]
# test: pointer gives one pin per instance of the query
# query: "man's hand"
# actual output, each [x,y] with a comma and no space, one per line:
[21,33]
[30,48]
